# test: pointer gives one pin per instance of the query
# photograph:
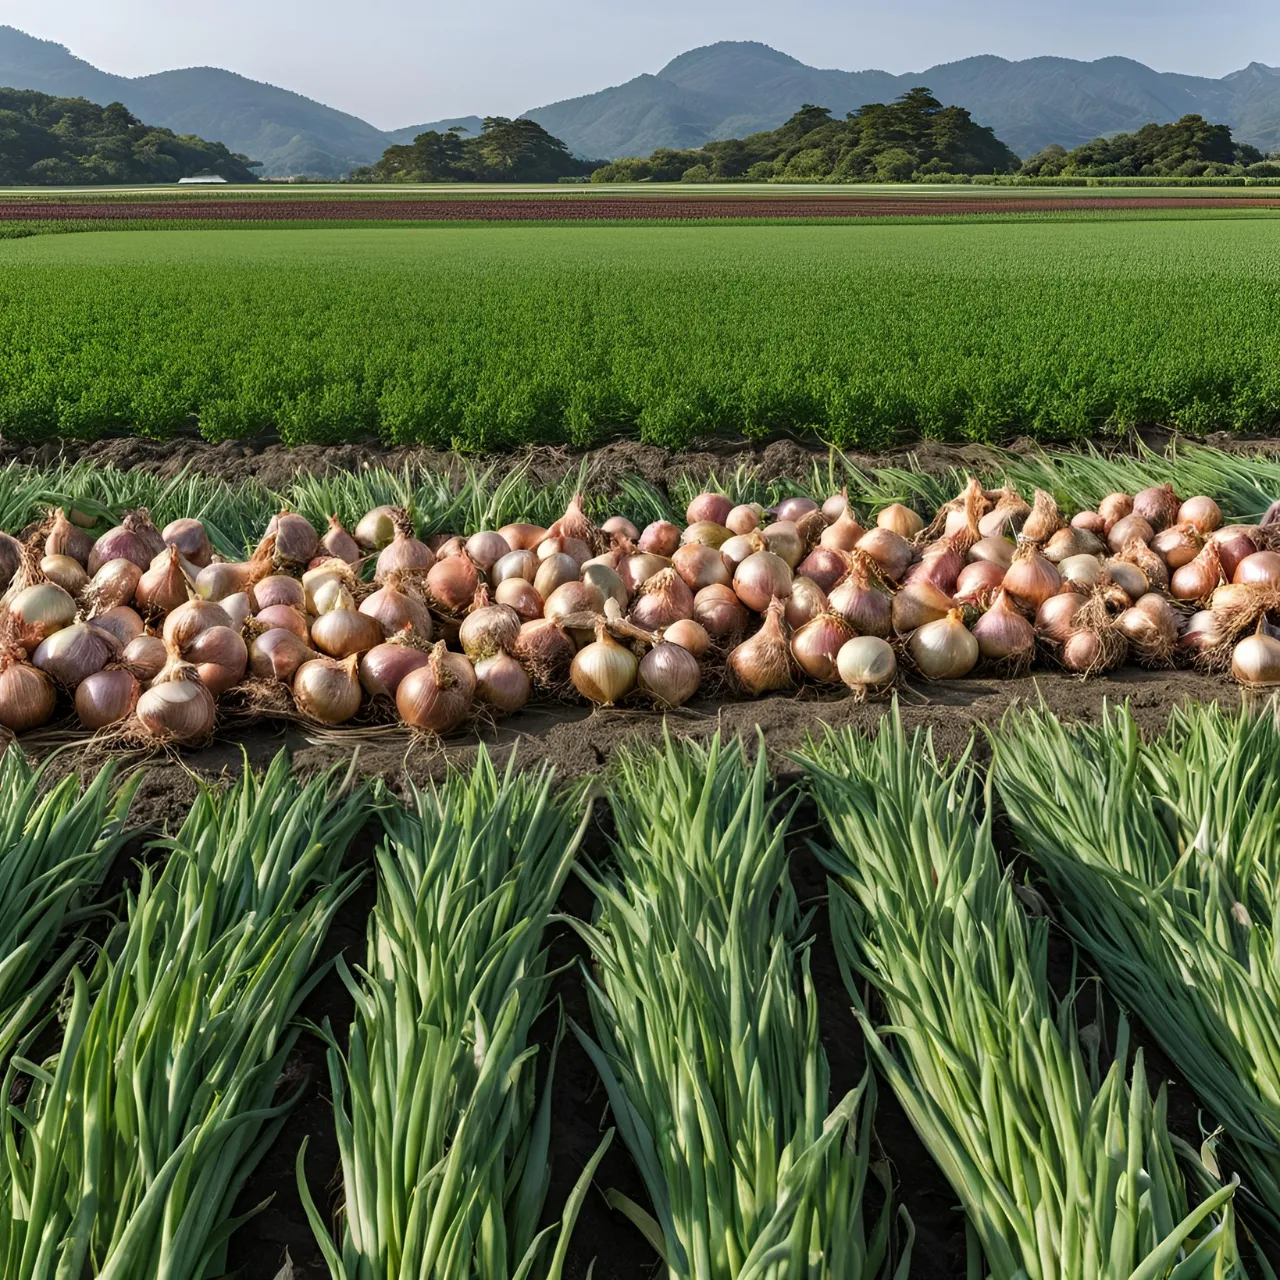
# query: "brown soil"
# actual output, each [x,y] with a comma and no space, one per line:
[596,208]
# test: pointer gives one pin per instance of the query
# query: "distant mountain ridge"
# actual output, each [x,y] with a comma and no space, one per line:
[718,91]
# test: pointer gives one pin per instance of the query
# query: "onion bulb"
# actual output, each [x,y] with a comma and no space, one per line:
[604,671]
[1201,513]
[107,697]
[919,603]
[1177,545]
[705,533]
[188,620]
[344,630]
[1158,506]
[146,656]
[277,654]
[761,578]
[1127,529]
[1260,567]
[620,527]
[501,682]
[1030,580]
[1196,581]
[394,609]
[719,612]
[376,528]
[177,707]
[27,695]
[452,582]
[890,551]
[817,644]
[824,565]
[786,542]
[1005,638]
[978,582]
[554,572]
[805,602]
[701,566]
[1056,616]
[661,538]
[485,548]
[744,519]
[574,524]
[763,662]
[191,538]
[844,534]
[327,690]
[296,541]
[993,551]
[113,584]
[708,506]
[282,616]
[405,553]
[688,635]
[515,564]
[488,627]
[900,520]
[545,650]
[275,588]
[520,596]
[522,537]
[607,582]
[1082,572]
[1128,577]
[1044,518]
[65,572]
[669,674]
[40,610]
[220,657]
[337,544]
[1255,661]
[664,599]
[163,588]
[121,622]
[1115,506]
[1151,628]
[65,539]
[867,664]
[945,649]
[135,538]
[386,665]
[1010,508]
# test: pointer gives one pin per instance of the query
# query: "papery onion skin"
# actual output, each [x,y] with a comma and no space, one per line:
[688,635]
[869,610]
[121,622]
[179,709]
[277,655]
[785,541]
[163,588]
[146,655]
[565,601]
[39,611]
[817,644]
[867,663]
[405,553]
[636,570]
[1081,571]
[762,663]
[393,610]
[65,539]
[1128,577]
[706,533]
[1196,581]
[119,544]
[1234,544]
[386,665]
[669,674]
[944,650]
[761,578]
[113,584]
[191,538]
[220,578]
[1115,506]
[27,695]
[661,538]
[844,534]
[719,612]
[607,582]
[998,551]
[327,690]
[1177,545]
[106,697]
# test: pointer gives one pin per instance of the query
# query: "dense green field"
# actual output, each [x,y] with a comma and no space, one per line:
[485,336]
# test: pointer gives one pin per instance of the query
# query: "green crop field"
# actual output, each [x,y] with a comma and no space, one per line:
[487,336]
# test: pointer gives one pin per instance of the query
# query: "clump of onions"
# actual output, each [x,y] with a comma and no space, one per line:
[376,528]
[501,682]
[1158,506]
[1127,530]
[661,538]
[762,663]
[40,610]
[1010,508]
[1255,661]
[65,572]
[284,616]
[664,599]
[700,566]
[65,539]
[121,622]
[761,578]
[107,697]
[978,582]
[545,650]
[890,551]
[191,538]
[1030,580]
[867,664]
[405,553]
[488,627]
[1114,507]
[327,690]
[1196,580]
[146,656]
[177,707]
[945,649]
[1177,545]
[806,601]
[296,541]
[344,630]
[515,564]
[164,587]
[688,635]
[134,538]
[27,695]
[744,518]
[277,654]
[708,506]
[520,596]
[786,542]
[604,671]
[394,609]
[220,657]
[278,589]
[337,544]
[452,582]
[522,537]
[900,520]
[1151,628]
[719,612]
[1044,518]
[669,674]
[1005,638]
[817,644]
[919,603]
[386,665]
[844,534]
[1260,567]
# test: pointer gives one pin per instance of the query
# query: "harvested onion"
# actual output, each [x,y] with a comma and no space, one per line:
[944,650]
[327,690]
[866,664]
[763,662]
[107,697]
[669,674]
[817,644]
[501,682]
[604,671]
[27,695]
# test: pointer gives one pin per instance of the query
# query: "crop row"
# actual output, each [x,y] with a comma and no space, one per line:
[483,339]
[132,1140]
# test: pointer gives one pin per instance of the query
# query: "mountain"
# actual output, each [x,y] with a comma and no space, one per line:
[725,90]
[402,137]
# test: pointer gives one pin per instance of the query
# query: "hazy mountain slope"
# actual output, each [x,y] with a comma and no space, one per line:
[399,137]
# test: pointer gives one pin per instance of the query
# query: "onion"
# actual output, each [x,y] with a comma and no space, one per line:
[669,674]
[554,572]
[121,622]
[146,656]
[1010,508]
[1044,519]
[287,618]
[1069,542]
[488,627]
[688,635]
[761,578]
[1261,566]
[866,608]
[545,650]
[739,547]
[714,507]
[844,534]
[1153,568]
[405,553]
[238,608]
[664,599]
[1095,643]
[719,612]
[1177,545]
[568,599]
[1151,628]
[1234,543]
[135,538]
[900,520]
[485,548]
[661,538]
[221,578]
[1056,616]
[786,542]
[393,610]
[805,602]
[27,695]
[191,538]
[744,519]
[866,663]
[1004,636]
[763,662]
[296,542]
[607,582]
[706,533]
[825,566]
[338,544]
[220,657]
[442,546]
[452,582]
[604,671]
[795,508]
[277,589]
[919,603]
[1090,521]
[1256,660]
[836,505]
[520,596]
[1114,507]
[1201,513]
[1127,529]
[277,654]
[945,649]
[892,552]
[1158,506]
[522,537]
[998,551]
[386,665]
[10,558]
[817,644]
[64,539]
[65,572]
[515,564]
[1030,580]
[165,587]
[1128,577]
[376,528]
[106,697]
[637,569]
[327,690]
[1203,633]
[620,527]
[1082,572]
[113,584]
[574,524]
[978,582]
[1196,581]
[501,681]
[344,630]
[939,566]
[178,707]
[40,610]
[700,566]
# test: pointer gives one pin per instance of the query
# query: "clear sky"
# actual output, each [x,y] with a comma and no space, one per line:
[402,62]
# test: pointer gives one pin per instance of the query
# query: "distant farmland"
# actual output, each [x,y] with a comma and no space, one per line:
[480,338]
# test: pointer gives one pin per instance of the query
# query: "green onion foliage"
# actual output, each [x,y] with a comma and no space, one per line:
[443,1135]
[57,841]
[1065,1171]
[1166,858]
[707,1034]
[137,1136]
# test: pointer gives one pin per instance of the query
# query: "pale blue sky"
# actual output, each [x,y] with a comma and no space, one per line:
[401,62]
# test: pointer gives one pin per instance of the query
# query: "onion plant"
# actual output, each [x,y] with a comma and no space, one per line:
[444,1138]
[1065,1170]
[135,1139]
[57,841]
[707,1035]
[1166,858]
